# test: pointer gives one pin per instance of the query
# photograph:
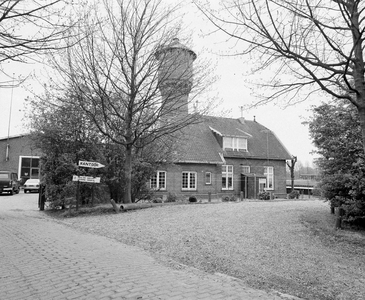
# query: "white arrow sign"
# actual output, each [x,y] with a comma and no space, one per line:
[86,179]
[90,164]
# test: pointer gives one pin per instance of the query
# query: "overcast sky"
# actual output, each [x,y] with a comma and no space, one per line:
[230,88]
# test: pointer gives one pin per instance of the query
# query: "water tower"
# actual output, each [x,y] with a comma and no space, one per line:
[175,78]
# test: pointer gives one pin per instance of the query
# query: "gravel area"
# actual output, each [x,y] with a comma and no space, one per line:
[288,246]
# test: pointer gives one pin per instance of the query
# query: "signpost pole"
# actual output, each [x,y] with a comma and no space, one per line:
[90,179]
[92,194]
[77,195]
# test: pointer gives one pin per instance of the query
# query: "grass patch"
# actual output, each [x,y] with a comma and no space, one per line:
[323,226]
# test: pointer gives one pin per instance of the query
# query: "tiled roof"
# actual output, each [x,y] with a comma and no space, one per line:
[200,144]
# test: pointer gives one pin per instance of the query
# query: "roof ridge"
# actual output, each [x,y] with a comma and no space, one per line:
[229,118]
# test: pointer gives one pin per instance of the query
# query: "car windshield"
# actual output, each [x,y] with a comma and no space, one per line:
[4,175]
[32,181]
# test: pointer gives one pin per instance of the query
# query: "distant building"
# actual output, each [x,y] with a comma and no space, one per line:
[18,155]
[313,177]
[304,186]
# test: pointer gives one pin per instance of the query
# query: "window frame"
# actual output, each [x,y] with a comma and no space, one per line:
[32,167]
[231,142]
[269,173]
[248,167]
[158,180]
[189,182]
[227,174]
[262,181]
[208,182]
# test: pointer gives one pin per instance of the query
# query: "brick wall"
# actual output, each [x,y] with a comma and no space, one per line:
[18,146]
[174,178]
[257,167]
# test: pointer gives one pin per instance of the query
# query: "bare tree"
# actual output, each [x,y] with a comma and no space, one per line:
[291,167]
[126,79]
[318,43]
[30,27]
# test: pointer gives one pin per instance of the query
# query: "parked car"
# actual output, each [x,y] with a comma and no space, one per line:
[31,185]
[9,182]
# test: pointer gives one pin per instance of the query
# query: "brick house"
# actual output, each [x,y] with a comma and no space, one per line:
[219,157]
[18,155]
[222,157]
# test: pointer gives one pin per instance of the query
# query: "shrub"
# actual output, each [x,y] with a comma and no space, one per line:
[358,222]
[294,195]
[231,198]
[264,196]
[157,200]
[171,197]
[317,192]
[193,199]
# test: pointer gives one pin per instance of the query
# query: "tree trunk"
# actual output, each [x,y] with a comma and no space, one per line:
[292,181]
[362,124]
[291,168]
[128,175]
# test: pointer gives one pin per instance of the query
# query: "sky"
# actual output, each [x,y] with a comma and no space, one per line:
[230,89]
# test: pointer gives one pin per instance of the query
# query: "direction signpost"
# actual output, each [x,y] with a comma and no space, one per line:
[90,164]
[87,179]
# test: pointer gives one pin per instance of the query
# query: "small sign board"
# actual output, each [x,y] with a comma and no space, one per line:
[86,179]
[90,164]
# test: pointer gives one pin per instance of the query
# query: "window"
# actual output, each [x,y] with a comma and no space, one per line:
[245,169]
[269,173]
[208,178]
[158,181]
[227,177]
[29,167]
[262,185]
[188,181]
[235,143]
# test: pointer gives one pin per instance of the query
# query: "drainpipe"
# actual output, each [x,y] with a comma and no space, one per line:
[254,186]
[7,151]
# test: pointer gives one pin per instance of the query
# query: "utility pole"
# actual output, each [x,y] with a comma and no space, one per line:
[11,106]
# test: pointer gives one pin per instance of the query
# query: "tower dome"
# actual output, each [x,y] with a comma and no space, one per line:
[175,77]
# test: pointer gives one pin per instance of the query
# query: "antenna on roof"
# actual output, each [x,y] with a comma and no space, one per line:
[254,118]
[241,108]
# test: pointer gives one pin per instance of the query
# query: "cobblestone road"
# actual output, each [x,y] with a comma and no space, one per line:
[42,259]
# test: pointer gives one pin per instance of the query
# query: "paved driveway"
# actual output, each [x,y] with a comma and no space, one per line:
[43,259]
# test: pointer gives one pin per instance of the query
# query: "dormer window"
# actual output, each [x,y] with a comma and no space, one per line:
[235,143]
